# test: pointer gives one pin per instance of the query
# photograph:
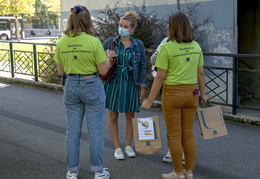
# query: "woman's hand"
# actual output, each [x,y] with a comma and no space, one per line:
[111,53]
[60,70]
[146,105]
[204,99]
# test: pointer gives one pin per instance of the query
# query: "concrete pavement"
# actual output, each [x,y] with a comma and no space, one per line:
[32,128]
[245,116]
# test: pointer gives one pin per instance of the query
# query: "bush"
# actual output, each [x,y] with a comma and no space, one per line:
[150,29]
[106,23]
[199,28]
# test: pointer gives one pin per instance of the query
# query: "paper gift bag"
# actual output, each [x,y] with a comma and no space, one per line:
[147,135]
[211,122]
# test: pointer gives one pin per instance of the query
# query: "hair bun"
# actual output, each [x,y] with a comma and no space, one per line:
[73,10]
[132,15]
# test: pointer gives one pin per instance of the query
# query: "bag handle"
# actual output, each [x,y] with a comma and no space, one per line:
[112,46]
[204,105]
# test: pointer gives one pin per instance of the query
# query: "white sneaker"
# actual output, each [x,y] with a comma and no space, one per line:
[129,151]
[188,175]
[167,158]
[172,175]
[104,175]
[72,175]
[183,159]
[119,154]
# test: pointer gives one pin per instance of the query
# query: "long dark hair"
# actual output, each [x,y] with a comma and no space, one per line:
[179,28]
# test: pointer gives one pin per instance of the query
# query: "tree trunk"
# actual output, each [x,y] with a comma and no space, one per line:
[17,31]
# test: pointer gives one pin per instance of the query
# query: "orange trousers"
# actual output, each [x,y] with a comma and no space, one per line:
[179,105]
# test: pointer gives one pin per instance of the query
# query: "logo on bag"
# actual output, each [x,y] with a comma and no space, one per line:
[203,120]
[211,122]
[215,132]
[148,143]
[145,124]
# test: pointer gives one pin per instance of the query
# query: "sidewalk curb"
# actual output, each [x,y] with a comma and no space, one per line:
[247,120]
[44,85]
[255,121]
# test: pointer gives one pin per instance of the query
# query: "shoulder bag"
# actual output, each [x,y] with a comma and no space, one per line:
[112,68]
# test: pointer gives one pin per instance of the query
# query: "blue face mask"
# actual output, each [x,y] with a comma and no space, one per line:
[123,32]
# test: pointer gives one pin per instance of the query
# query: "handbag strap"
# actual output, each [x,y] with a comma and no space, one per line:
[112,47]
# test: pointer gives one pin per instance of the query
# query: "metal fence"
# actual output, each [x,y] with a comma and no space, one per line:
[31,59]
[237,86]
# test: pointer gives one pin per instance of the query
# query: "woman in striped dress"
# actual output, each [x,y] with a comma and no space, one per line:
[122,90]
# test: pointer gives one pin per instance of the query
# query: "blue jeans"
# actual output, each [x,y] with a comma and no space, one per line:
[84,97]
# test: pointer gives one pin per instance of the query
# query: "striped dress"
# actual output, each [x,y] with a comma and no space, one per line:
[122,94]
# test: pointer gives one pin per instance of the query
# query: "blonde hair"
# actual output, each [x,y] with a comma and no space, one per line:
[180,28]
[132,17]
[79,21]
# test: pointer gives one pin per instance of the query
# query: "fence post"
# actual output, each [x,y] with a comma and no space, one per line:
[11,59]
[35,64]
[235,85]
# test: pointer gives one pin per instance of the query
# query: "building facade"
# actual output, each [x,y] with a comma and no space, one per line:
[228,26]
[232,26]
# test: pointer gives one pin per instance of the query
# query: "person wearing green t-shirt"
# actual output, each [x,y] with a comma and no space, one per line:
[179,68]
[167,158]
[81,56]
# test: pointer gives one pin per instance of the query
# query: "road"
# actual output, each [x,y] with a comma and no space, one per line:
[32,128]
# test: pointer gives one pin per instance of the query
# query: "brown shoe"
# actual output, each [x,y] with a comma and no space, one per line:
[172,175]
[187,175]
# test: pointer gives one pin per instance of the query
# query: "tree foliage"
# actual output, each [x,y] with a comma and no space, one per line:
[191,10]
[53,6]
[150,29]
[41,13]
[106,22]
[16,7]
[46,13]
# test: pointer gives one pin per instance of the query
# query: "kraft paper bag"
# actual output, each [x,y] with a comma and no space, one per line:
[211,122]
[147,135]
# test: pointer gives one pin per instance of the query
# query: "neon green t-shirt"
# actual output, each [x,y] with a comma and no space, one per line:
[80,54]
[181,61]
